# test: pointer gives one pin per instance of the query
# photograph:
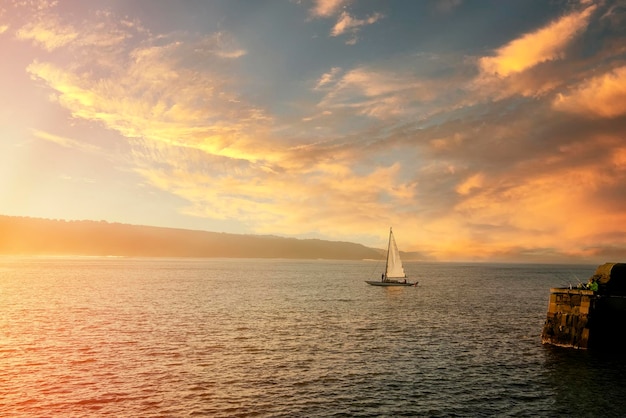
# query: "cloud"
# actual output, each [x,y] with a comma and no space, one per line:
[152,93]
[194,136]
[545,44]
[236,53]
[377,93]
[544,180]
[346,23]
[603,96]
[324,194]
[221,44]
[328,77]
[327,8]
[175,102]
[66,142]
[474,182]
[48,33]
[349,24]
[536,64]
[100,39]
[529,210]
[412,141]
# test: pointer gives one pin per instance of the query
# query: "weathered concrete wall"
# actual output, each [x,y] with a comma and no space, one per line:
[567,322]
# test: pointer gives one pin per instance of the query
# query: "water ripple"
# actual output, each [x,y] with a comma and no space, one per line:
[256,338]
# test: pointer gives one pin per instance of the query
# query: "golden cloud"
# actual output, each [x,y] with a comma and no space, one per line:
[48,33]
[546,44]
[150,97]
[472,183]
[548,209]
[292,202]
[191,135]
[602,96]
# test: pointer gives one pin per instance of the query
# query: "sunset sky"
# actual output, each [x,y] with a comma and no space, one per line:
[479,130]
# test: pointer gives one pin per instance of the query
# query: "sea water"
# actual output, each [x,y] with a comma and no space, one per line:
[133,337]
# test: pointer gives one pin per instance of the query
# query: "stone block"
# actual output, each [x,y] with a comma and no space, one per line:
[584,306]
[553,308]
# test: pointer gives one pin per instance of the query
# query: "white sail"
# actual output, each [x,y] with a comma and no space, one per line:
[394,272]
[394,264]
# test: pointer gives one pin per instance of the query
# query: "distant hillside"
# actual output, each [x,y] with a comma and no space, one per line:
[33,236]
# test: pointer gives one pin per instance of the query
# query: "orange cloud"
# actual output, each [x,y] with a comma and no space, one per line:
[472,183]
[603,96]
[327,8]
[549,209]
[546,44]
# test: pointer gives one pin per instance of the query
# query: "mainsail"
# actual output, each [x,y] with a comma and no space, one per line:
[394,267]
[394,272]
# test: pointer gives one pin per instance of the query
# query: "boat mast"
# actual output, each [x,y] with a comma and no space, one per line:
[388,249]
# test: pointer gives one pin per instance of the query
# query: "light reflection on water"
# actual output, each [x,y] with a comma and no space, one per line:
[174,337]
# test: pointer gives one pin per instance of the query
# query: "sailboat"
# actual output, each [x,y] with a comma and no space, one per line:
[394,274]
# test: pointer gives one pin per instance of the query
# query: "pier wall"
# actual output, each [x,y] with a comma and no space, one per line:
[585,318]
[567,322]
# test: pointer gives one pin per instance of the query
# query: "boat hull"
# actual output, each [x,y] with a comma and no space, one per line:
[381,283]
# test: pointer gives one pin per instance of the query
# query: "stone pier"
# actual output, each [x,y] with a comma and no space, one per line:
[585,318]
[567,323]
